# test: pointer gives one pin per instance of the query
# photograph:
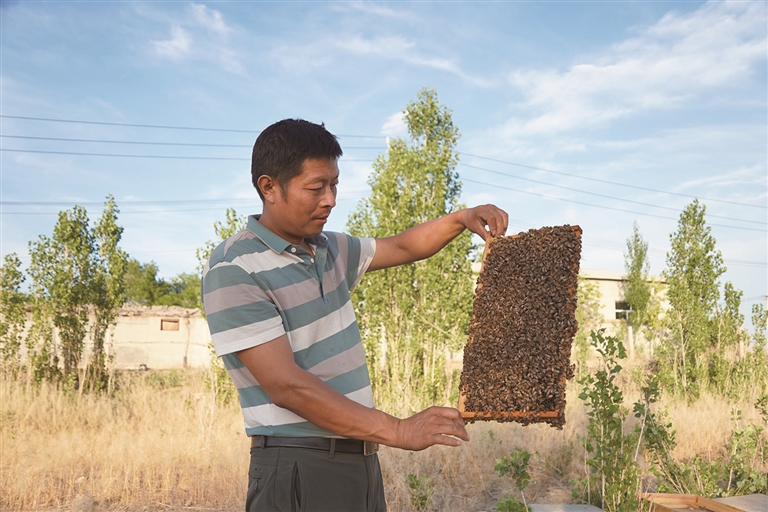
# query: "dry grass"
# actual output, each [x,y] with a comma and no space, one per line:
[148,446]
[154,447]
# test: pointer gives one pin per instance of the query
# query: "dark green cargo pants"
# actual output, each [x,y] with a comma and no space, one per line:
[305,480]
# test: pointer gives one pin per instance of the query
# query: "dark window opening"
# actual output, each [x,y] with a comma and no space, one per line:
[622,310]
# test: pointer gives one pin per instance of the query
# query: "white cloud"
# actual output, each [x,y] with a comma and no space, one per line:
[210,19]
[380,11]
[670,64]
[398,48]
[395,126]
[754,175]
[202,35]
[321,53]
[175,48]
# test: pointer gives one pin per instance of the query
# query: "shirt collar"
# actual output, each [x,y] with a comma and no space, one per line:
[273,241]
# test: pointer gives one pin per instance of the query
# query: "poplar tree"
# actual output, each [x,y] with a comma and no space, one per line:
[637,290]
[79,270]
[12,315]
[411,316]
[694,267]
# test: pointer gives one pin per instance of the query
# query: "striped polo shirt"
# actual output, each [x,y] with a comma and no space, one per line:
[257,287]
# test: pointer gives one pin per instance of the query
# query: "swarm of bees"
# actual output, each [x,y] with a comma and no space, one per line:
[517,359]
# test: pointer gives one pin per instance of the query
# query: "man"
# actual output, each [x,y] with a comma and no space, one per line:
[277,300]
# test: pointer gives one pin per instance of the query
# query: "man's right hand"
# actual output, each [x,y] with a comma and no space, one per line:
[436,425]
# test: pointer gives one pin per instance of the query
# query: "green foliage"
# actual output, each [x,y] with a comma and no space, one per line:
[734,473]
[516,466]
[141,283]
[637,290]
[223,230]
[107,291]
[706,348]
[613,479]
[182,290]
[77,273]
[588,318]
[693,269]
[144,287]
[12,315]
[218,380]
[411,316]
[421,489]
[759,322]
[160,379]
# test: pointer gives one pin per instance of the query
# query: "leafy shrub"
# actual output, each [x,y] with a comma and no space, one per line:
[516,465]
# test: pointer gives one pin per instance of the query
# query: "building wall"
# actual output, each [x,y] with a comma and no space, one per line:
[153,337]
[160,338]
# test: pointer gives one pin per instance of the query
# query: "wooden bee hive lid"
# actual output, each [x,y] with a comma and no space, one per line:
[517,359]
[661,502]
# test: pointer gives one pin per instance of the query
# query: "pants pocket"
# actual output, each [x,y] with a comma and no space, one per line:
[296,492]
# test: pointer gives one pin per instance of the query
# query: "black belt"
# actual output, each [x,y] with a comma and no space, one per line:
[326,444]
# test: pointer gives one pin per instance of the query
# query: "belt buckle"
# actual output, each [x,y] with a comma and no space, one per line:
[369,447]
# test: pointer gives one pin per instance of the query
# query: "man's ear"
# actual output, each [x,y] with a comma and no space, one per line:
[269,188]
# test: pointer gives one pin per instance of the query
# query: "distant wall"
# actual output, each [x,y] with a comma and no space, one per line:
[152,337]
[160,337]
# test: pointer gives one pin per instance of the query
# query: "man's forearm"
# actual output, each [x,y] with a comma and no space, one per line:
[321,405]
[425,240]
[417,243]
[303,393]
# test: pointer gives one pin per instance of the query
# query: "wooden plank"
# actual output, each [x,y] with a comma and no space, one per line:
[676,502]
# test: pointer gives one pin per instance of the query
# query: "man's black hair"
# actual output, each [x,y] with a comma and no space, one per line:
[280,150]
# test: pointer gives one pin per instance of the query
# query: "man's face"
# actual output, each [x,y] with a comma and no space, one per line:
[302,211]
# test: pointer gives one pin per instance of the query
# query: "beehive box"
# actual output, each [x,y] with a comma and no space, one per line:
[517,359]
[661,502]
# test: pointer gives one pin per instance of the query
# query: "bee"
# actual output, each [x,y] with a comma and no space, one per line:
[517,358]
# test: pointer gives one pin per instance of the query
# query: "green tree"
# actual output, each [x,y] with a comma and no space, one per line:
[12,315]
[637,289]
[410,316]
[693,269]
[143,287]
[141,283]
[222,230]
[182,290]
[613,479]
[77,271]
[61,270]
[588,318]
[107,290]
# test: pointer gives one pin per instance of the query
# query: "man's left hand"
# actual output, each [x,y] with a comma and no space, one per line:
[487,220]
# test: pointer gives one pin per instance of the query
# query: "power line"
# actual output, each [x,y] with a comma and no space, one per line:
[165,157]
[100,203]
[148,143]
[615,182]
[192,157]
[164,127]
[600,205]
[177,157]
[124,212]
[172,157]
[231,130]
[603,195]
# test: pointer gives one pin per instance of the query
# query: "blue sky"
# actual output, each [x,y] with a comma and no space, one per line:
[591,113]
